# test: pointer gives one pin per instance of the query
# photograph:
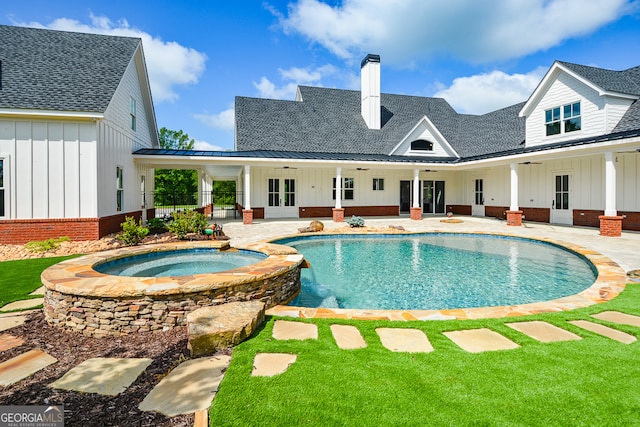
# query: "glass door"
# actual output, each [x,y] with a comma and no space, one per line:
[281,198]
[561,212]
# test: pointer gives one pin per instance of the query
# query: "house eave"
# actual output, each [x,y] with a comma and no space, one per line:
[50,114]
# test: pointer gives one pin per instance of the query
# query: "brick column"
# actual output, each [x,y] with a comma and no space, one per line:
[338,214]
[416,214]
[247,216]
[514,218]
[610,226]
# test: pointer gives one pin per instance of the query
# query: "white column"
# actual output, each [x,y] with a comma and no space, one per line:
[514,187]
[610,184]
[416,188]
[338,188]
[247,187]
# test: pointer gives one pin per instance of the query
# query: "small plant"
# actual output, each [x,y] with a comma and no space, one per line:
[45,245]
[187,222]
[156,225]
[132,233]
[355,221]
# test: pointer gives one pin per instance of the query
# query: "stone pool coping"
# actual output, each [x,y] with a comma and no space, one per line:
[76,276]
[610,282]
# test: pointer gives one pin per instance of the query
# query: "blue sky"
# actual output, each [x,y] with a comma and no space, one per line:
[478,55]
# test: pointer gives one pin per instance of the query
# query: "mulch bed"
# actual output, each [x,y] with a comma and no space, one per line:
[167,349]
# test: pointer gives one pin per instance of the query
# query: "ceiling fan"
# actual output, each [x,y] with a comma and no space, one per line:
[529,163]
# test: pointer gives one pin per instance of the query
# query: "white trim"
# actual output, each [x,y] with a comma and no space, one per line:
[79,115]
[431,127]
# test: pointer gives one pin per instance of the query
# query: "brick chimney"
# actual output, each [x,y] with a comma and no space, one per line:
[370,90]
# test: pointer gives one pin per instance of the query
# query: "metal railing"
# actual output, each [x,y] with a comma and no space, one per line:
[219,205]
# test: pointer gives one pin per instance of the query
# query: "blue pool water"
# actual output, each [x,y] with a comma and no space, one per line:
[179,263]
[435,271]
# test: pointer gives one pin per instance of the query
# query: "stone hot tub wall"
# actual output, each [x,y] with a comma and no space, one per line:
[78,298]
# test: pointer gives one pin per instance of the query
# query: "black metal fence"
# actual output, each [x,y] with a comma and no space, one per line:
[219,204]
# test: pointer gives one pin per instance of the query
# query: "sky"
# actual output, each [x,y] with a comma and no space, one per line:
[479,55]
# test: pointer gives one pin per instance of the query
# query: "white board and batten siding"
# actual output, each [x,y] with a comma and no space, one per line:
[599,113]
[117,141]
[52,168]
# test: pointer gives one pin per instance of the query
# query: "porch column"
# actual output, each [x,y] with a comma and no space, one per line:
[247,212]
[338,211]
[416,210]
[514,214]
[610,222]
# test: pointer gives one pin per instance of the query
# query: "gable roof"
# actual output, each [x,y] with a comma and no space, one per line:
[59,70]
[626,81]
[330,121]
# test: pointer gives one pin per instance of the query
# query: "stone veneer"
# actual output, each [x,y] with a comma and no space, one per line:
[78,298]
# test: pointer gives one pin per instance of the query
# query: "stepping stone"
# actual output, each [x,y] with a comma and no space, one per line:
[103,375]
[271,364]
[286,330]
[404,340]
[222,326]
[20,367]
[11,322]
[347,337]
[39,291]
[23,305]
[605,331]
[189,388]
[9,341]
[617,317]
[543,331]
[479,340]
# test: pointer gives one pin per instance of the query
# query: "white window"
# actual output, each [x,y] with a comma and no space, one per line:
[347,188]
[3,191]
[570,121]
[132,112]
[378,184]
[119,189]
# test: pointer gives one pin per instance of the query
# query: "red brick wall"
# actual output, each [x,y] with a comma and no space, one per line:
[630,220]
[459,209]
[323,211]
[496,211]
[111,224]
[536,214]
[21,231]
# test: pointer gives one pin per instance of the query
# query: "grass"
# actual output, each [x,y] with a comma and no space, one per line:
[593,381]
[21,277]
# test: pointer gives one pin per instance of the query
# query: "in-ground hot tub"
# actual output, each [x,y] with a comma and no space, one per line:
[80,298]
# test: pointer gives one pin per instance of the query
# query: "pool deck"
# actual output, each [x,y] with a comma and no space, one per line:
[624,251]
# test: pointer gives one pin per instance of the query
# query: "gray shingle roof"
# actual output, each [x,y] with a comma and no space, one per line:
[59,70]
[329,121]
[626,81]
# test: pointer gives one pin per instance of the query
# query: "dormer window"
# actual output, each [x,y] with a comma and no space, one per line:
[569,122]
[421,145]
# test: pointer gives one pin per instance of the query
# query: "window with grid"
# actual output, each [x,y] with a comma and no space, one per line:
[347,189]
[119,188]
[378,184]
[572,119]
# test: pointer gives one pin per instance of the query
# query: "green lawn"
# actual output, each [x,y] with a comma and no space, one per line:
[594,381]
[21,277]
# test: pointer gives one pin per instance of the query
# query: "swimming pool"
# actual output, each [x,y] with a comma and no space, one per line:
[179,263]
[435,271]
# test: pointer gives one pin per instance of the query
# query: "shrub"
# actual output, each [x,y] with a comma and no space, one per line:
[156,225]
[187,222]
[355,221]
[45,245]
[132,233]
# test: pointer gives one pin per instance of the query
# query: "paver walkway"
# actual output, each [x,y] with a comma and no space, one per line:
[9,322]
[286,330]
[9,341]
[188,388]
[23,304]
[617,317]
[605,331]
[347,337]
[20,367]
[543,331]
[109,376]
[404,340]
[479,340]
[271,364]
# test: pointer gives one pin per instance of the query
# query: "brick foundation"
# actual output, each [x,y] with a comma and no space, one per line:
[338,215]
[459,209]
[416,214]
[610,226]
[536,214]
[327,211]
[499,212]
[21,231]
[514,218]
[247,216]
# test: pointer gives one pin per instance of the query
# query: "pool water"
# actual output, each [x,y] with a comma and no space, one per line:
[179,263]
[435,271]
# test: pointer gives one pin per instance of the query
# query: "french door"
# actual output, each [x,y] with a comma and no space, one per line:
[477,209]
[281,198]
[561,212]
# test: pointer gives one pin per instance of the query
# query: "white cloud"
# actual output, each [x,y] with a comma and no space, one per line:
[487,92]
[169,64]
[470,30]
[293,77]
[204,145]
[223,120]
